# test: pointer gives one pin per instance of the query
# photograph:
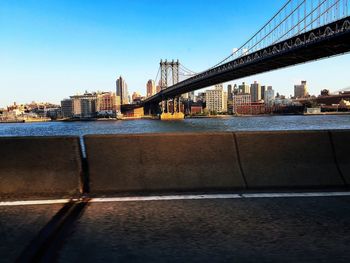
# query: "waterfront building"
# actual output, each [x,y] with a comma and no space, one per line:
[344,103]
[282,101]
[88,108]
[241,100]
[67,108]
[216,99]
[269,96]
[196,108]
[76,107]
[84,106]
[107,103]
[244,88]
[150,88]
[255,91]
[300,91]
[122,90]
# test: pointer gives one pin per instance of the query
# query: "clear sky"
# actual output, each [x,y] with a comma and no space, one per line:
[52,49]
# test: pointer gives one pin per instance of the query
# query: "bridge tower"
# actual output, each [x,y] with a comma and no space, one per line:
[169,74]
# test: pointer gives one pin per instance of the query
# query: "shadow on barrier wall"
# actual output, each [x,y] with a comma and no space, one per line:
[218,161]
[40,167]
[53,167]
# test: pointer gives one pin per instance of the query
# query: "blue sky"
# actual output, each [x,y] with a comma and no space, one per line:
[52,49]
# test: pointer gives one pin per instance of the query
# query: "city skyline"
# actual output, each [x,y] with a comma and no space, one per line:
[224,85]
[51,50]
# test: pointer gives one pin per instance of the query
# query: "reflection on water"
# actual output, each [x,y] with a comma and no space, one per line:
[188,125]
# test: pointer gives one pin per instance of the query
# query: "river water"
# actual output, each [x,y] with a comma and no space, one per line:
[260,123]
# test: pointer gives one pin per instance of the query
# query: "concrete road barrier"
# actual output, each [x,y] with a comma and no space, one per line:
[289,159]
[37,167]
[341,142]
[162,162]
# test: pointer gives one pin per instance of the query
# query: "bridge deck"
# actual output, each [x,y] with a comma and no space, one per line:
[300,49]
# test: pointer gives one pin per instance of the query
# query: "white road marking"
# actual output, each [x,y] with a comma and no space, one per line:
[34,202]
[217,196]
[165,197]
[178,197]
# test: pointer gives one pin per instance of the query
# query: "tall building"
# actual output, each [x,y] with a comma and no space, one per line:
[229,92]
[122,90]
[216,99]
[263,88]
[229,99]
[255,91]
[151,88]
[244,88]
[300,91]
[235,90]
[269,96]
[67,108]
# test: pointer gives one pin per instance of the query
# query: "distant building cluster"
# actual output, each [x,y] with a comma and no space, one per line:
[89,105]
[242,99]
[246,99]
[34,111]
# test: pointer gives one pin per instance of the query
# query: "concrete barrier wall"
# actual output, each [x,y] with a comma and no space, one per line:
[52,166]
[341,142]
[36,167]
[162,162]
[288,159]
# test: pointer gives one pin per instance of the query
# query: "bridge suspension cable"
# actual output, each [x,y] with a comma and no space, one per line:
[293,18]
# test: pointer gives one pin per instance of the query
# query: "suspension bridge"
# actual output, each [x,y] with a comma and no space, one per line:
[301,31]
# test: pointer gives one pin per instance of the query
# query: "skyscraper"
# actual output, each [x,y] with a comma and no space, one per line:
[122,90]
[300,91]
[151,88]
[244,88]
[255,91]
[229,92]
[263,88]
[229,99]
[269,96]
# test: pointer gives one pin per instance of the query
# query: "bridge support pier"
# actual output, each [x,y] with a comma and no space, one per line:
[173,112]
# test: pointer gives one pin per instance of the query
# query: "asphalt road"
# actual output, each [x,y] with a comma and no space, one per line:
[19,225]
[298,229]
